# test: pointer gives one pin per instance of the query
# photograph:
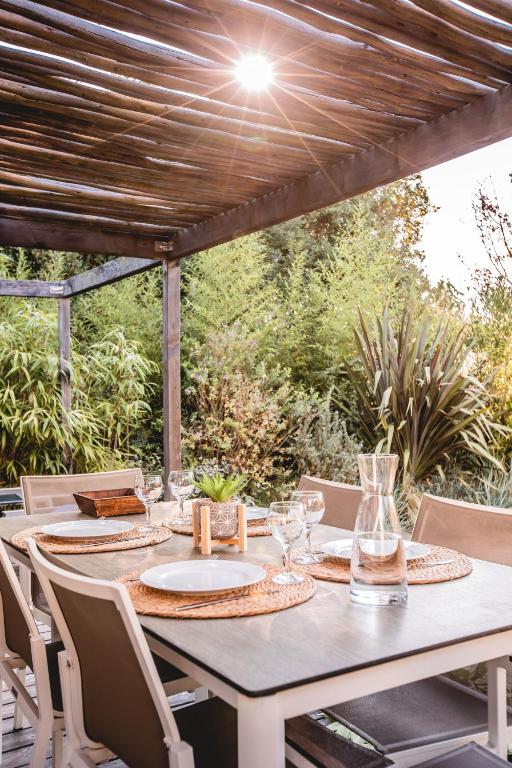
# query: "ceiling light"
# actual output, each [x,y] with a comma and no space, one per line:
[254,72]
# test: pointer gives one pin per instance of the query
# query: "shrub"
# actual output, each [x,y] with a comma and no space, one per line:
[109,396]
[240,414]
[323,447]
[416,397]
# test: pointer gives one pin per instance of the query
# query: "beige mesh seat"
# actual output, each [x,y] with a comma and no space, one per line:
[476,530]
[469,756]
[115,704]
[49,493]
[341,500]
[21,646]
[429,717]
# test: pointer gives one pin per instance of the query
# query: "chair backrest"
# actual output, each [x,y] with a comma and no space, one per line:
[473,529]
[17,625]
[115,692]
[46,493]
[341,500]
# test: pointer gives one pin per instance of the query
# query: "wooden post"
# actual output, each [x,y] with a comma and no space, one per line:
[64,327]
[172,372]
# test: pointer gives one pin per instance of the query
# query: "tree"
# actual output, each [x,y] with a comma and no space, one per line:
[492,305]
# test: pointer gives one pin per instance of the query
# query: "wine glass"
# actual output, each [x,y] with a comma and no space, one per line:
[286,522]
[181,485]
[314,508]
[148,489]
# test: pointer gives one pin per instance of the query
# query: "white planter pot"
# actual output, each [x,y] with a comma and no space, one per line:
[223,517]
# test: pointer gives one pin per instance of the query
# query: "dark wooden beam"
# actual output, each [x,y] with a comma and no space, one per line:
[172,370]
[486,120]
[64,328]
[107,273]
[32,288]
[66,237]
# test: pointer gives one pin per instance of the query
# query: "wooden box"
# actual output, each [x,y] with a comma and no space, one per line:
[119,501]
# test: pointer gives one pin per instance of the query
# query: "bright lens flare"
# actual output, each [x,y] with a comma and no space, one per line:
[254,72]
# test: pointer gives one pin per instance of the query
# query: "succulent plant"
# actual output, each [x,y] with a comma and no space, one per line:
[219,488]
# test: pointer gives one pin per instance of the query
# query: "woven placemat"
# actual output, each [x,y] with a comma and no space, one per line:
[441,564]
[264,597]
[253,529]
[128,540]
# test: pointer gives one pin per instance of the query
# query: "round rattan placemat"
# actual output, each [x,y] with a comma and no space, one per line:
[264,597]
[252,529]
[441,564]
[132,539]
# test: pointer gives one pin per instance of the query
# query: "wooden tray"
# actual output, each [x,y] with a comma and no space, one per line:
[118,501]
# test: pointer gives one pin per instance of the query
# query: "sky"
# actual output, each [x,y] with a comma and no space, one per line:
[451,233]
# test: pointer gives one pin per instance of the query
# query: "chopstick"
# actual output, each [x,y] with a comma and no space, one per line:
[94,543]
[206,603]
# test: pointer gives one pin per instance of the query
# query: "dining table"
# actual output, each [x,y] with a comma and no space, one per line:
[325,651]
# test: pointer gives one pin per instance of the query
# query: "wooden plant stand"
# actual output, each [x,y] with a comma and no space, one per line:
[201,529]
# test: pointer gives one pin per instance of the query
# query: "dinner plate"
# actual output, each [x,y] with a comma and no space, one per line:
[343,548]
[256,513]
[197,577]
[86,529]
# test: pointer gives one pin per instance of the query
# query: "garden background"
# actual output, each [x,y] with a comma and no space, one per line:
[301,346]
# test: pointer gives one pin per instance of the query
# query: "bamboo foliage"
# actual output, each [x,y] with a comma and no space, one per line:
[110,386]
[416,397]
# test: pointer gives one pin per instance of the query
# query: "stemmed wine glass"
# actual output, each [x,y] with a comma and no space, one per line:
[148,489]
[286,522]
[314,508]
[181,485]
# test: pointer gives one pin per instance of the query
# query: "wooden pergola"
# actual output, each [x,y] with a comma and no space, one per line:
[124,130]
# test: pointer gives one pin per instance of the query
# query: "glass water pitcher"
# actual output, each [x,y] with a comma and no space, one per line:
[378,573]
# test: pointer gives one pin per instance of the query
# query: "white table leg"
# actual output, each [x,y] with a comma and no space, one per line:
[497,706]
[260,733]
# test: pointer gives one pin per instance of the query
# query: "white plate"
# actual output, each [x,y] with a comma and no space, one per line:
[343,548]
[197,577]
[87,529]
[256,513]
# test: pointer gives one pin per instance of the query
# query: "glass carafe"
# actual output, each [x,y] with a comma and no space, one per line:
[378,572]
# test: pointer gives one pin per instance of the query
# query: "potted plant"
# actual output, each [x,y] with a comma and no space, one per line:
[219,492]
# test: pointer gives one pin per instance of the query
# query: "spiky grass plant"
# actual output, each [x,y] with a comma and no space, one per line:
[416,398]
[219,488]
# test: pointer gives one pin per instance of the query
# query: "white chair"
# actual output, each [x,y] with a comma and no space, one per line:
[114,702]
[54,493]
[21,645]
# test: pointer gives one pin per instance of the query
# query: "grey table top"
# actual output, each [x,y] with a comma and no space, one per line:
[325,637]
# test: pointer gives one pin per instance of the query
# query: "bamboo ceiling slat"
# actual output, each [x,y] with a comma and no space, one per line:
[368,61]
[178,104]
[150,183]
[397,19]
[14,62]
[147,182]
[386,52]
[213,37]
[491,29]
[128,116]
[105,222]
[332,87]
[498,8]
